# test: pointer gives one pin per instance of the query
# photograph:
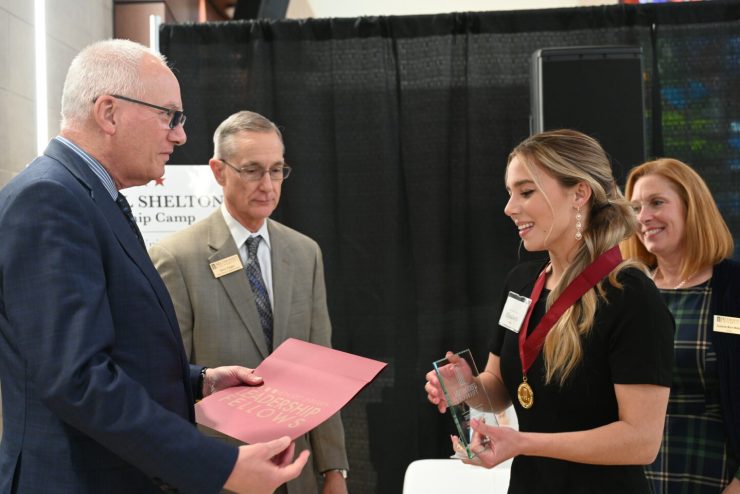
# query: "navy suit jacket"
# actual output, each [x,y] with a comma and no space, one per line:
[97,392]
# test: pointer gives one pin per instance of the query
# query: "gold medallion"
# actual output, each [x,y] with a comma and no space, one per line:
[525,394]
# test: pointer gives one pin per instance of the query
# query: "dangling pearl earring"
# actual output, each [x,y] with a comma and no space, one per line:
[579,225]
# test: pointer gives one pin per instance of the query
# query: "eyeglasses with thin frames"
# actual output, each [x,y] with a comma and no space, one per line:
[255,173]
[177,117]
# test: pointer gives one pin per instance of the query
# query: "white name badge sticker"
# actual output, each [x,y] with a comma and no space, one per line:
[727,324]
[515,310]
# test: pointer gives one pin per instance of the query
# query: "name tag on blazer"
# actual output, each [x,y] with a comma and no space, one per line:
[225,266]
[727,324]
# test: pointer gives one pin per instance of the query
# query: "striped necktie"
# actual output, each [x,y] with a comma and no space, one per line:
[254,275]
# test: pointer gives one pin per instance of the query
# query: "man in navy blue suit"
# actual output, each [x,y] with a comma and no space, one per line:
[97,391]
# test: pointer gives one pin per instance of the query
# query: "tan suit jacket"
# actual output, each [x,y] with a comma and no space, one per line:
[219,321]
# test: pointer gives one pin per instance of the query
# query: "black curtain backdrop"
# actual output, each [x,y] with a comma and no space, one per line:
[399,129]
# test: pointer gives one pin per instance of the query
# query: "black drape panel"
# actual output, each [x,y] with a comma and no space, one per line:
[399,129]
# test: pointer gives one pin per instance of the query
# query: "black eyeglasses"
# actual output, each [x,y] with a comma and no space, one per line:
[177,117]
[254,173]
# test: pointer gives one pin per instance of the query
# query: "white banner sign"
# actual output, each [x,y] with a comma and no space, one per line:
[184,195]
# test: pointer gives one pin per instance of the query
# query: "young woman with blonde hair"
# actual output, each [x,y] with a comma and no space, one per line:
[586,363]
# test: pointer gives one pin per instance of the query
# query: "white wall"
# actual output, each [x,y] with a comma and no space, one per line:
[70,26]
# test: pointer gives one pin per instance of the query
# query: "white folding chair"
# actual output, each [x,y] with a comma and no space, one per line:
[450,475]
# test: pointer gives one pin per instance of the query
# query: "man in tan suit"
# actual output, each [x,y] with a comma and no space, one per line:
[242,283]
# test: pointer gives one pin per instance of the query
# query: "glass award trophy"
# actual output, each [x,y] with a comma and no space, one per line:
[464,395]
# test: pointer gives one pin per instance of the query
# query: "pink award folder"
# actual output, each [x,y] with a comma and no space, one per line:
[304,384]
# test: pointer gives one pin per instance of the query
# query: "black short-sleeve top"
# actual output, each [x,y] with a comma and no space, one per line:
[631,342]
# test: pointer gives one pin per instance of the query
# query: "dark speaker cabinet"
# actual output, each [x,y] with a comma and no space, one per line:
[597,90]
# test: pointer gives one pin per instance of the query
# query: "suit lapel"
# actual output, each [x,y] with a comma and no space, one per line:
[235,284]
[118,223]
[282,276]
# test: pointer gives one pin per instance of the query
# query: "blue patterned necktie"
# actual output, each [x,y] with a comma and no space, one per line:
[126,209]
[254,275]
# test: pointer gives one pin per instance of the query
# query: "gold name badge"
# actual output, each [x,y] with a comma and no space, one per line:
[225,266]
[727,324]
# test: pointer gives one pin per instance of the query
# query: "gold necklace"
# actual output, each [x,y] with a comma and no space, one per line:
[681,284]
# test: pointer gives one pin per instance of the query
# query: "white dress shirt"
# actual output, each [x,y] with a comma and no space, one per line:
[240,235]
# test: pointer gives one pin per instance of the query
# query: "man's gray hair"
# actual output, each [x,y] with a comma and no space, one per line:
[243,121]
[106,67]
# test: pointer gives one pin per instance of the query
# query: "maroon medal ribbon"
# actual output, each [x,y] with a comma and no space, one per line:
[530,345]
